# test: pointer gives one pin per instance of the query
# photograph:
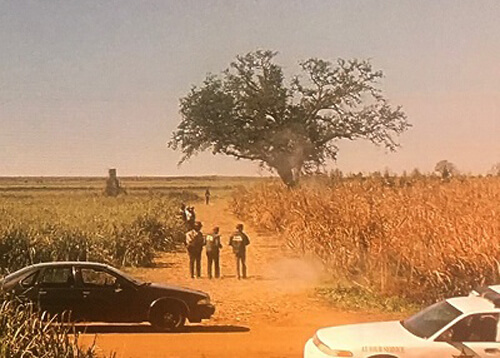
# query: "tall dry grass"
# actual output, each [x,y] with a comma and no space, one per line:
[25,334]
[420,237]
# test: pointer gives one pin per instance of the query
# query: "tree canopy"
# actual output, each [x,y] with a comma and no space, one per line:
[250,112]
[446,169]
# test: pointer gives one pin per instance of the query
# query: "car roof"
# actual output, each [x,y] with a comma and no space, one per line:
[472,304]
[70,263]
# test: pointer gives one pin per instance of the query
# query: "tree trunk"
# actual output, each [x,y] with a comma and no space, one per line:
[288,175]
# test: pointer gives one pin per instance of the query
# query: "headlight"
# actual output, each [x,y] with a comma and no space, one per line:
[327,350]
[204,301]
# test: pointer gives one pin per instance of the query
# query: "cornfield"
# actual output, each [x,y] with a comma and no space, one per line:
[24,333]
[421,238]
[125,231]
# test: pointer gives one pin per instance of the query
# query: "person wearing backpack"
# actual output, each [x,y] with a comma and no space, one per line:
[239,241]
[194,245]
[212,247]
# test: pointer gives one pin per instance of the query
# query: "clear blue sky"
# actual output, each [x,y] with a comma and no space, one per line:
[87,85]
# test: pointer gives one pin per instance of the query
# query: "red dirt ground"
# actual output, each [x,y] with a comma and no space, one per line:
[271,314]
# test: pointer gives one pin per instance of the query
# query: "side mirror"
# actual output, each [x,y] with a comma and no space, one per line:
[445,336]
[118,287]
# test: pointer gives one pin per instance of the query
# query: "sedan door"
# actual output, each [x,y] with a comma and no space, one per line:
[57,292]
[106,297]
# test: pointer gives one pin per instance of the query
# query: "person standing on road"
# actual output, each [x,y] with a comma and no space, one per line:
[190,217]
[213,246]
[194,246]
[182,213]
[239,242]
[207,196]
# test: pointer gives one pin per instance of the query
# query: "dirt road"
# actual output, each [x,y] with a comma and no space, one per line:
[271,314]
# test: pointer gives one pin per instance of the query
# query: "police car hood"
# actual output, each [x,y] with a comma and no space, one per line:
[369,335]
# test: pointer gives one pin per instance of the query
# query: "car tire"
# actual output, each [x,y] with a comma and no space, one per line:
[167,317]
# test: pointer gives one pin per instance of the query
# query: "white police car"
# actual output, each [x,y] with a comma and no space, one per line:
[465,327]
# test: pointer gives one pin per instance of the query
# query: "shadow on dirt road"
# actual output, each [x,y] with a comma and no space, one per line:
[137,329]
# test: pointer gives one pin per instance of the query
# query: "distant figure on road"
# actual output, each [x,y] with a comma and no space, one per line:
[239,242]
[194,246]
[213,246]
[207,196]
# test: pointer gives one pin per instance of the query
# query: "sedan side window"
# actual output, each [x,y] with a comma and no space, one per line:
[57,277]
[475,328]
[96,278]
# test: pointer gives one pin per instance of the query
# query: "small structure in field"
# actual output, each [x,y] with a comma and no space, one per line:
[113,187]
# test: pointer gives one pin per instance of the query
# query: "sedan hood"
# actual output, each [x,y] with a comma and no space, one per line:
[172,288]
[380,334]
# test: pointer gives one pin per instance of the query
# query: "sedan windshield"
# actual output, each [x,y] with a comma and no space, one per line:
[18,274]
[430,320]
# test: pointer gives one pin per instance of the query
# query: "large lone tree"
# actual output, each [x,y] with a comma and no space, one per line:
[250,112]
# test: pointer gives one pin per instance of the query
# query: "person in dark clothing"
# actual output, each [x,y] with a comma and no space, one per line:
[212,247]
[182,213]
[190,218]
[207,196]
[239,241]
[194,246]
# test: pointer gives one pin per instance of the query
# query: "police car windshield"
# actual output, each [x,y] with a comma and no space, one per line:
[430,320]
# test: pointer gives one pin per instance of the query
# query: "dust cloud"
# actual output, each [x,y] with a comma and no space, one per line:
[295,273]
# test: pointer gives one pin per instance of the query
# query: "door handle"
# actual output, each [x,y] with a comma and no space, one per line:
[85,294]
[491,350]
[42,292]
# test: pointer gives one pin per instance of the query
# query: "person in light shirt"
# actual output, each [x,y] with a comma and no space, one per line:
[212,247]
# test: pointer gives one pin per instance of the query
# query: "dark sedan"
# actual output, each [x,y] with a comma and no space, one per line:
[98,292]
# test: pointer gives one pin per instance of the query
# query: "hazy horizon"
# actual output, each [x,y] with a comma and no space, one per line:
[87,86]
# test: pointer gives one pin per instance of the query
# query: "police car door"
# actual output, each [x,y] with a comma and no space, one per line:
[475,336]
[483,339]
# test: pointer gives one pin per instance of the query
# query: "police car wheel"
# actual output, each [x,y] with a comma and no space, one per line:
[168,318]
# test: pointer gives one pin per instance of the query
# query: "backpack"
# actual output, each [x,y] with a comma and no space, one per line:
[192,239]
[238,243]
[211,243]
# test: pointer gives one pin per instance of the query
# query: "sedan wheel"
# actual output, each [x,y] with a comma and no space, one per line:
[168,318]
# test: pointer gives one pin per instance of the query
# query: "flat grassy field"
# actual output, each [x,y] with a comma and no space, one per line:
[218,185]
